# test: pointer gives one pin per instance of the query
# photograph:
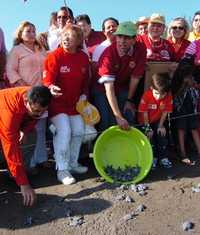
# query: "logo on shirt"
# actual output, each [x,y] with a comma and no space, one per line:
[65,69]
[44,74]
[165,54]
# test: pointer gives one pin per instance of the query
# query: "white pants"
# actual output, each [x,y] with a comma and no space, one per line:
[40,152]
[67,140]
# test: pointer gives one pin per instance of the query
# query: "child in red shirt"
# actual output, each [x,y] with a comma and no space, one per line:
[155,105]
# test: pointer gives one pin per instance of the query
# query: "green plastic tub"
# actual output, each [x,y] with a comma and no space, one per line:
[118,148]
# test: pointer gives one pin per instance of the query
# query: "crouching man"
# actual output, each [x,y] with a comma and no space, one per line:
[20,108]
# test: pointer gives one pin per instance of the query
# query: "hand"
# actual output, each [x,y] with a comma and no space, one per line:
[55,90]
[149,134]
[122,123]
[161,131]
[29,196]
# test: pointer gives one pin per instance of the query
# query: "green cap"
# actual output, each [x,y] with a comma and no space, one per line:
[127,28]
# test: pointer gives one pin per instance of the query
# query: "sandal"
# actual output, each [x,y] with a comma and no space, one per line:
[187,161]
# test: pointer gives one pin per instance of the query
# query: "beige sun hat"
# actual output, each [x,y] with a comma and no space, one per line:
[157,18]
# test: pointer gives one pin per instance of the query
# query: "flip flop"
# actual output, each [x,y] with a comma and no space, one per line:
[187,161]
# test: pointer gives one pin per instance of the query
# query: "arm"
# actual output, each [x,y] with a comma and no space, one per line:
[110,93]
[13,68]
[50,73]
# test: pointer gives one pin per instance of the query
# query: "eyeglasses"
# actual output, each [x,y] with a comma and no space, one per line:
[63,17]
[178,27]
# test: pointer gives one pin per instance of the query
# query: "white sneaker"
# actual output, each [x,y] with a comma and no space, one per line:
[165,162]
[78,169]
[65,177]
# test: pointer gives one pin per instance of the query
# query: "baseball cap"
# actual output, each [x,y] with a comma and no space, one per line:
[126,28]
[142,20]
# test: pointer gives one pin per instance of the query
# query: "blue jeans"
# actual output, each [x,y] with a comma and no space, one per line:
[107,118]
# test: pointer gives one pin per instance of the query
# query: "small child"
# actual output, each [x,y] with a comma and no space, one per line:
[186,98]
[154,107]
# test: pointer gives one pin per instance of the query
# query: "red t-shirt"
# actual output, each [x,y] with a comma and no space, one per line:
[70,72]
[94,39]
[154,107]
[122,68]
[14,117]
[179,49]
[161,51]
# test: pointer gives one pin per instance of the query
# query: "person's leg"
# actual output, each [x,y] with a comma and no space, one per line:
[61,143]
[101,103]
[196,138]
[78,130]
[181,139]
[40,152]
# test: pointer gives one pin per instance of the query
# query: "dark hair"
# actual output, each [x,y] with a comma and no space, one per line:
[69,10]
[195,14]
[184,69]
[39,95]
[161,81]
[83,17]
[107,19]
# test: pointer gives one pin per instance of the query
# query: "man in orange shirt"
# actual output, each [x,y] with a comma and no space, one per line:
[20,107]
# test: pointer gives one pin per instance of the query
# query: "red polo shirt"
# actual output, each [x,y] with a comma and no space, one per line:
[13,118]
[179,49]
[154,107]
[122,68]
[161,51]
[70,72]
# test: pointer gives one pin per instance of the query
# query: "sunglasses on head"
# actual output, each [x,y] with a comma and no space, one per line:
[178,27]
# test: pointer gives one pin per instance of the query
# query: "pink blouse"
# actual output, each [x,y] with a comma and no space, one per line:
[25,64]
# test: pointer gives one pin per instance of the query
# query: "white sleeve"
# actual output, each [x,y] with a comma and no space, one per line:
[106,78]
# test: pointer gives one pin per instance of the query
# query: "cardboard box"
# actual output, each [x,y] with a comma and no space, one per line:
[158,67]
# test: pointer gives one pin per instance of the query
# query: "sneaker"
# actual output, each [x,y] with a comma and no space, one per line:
[65,177]
[154,164]
[79,169]
[165,162]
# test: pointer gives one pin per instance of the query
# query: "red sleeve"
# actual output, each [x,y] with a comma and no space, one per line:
[105,64]
[87,77]
[50,69]
[10,143]
[139,69]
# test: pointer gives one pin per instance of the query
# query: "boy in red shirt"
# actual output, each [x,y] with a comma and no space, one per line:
[155,105]
[20,107]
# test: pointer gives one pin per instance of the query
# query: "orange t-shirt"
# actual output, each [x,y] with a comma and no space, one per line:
[154,107]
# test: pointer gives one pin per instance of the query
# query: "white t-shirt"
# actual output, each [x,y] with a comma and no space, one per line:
[100,49]
[54,38]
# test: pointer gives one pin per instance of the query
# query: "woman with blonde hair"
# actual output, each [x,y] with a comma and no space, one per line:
[25,68]
[178,32]
[66,74]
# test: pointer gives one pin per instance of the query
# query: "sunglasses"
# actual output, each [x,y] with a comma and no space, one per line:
[178,27]
[63,17]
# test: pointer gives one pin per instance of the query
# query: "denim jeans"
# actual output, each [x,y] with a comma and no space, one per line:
[107,118]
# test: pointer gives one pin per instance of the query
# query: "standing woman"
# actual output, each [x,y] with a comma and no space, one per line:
[195,33]
[177,35]
[66,74]
[24,68]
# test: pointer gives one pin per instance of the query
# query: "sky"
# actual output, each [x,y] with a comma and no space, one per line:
[13,12]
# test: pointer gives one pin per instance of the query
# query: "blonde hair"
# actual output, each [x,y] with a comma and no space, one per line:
[18,34]
[77,30]
[185,25]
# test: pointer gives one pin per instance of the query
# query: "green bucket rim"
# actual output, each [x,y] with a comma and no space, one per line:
[116,129]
